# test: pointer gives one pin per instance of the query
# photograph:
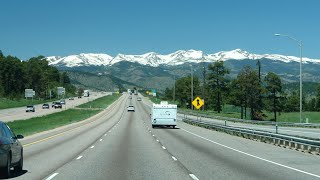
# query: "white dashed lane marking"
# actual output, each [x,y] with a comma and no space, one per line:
[79,157]
[164,147]
[193,176]
[52,176]
[174,158]
[92,147]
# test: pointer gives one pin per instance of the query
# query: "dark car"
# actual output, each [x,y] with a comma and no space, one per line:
[30,108]
[57,105]
[45,106]
[11,151]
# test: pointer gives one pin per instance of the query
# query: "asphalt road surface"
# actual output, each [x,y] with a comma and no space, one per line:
[20,113]
[117,144]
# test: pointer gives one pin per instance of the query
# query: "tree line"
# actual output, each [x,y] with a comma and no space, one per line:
[248,91]
[35,73]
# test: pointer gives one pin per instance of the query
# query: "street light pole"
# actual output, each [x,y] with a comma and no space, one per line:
[300,46]
[174,87]
[191,87]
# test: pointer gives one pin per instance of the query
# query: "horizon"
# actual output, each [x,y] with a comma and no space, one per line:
[205,53]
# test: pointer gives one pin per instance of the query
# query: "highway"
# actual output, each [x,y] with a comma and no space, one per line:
[20,113]
[295,131]
[117,144]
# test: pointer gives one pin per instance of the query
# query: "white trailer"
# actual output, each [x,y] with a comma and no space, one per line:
[164,114]
[86,93]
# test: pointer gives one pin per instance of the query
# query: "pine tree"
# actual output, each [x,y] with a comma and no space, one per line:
[274,90]
[218,82]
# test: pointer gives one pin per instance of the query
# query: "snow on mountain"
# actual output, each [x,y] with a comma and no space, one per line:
[89,59]
[176,58]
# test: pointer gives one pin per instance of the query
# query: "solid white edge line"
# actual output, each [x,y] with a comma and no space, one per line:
[288,167]
[52,176]
[92,147]
[193,176]
[174,158]
[163,147]
[79,157]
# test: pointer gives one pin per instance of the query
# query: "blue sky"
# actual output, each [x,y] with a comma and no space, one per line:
[65,27]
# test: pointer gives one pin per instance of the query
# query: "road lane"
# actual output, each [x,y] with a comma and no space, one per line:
[129,151]
[210,160]
[42,158]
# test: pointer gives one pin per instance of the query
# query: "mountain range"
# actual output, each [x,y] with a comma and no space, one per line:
[153,70]
[176,58]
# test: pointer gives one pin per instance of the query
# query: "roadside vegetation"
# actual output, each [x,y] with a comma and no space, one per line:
[51,121]
[250,95]
[36,74]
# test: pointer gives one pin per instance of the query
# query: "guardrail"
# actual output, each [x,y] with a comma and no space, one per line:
[313,125]
[303,144]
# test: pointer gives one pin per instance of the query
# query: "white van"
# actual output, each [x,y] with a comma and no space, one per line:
[164,114]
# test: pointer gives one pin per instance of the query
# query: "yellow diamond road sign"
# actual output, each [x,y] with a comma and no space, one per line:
[197,102]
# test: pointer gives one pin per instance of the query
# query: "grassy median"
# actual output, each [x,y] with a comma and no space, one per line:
[7,103]
[51,121]
[102,102]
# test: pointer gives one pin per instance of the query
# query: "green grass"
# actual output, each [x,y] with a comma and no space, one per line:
[39,124]
[213,113]
[51,121]
[7,103]
[314,117]
[102,102]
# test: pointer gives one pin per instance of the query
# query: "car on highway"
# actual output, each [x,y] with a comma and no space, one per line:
[130,108]
[45,106]
[57,105]
[53,103]
[139,99]
[30,108]
[11,151]
[62,101]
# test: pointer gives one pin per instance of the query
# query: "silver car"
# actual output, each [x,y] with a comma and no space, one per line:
[11,151]
[130,108]
[30,108]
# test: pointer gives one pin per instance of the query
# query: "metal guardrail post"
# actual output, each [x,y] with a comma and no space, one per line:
[276,128]
[225,123]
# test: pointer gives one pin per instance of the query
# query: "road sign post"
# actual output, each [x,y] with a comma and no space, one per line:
[197,103]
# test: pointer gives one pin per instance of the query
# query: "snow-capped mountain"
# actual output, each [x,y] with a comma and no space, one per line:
[176,58]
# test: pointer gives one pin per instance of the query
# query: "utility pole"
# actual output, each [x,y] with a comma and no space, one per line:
[204,83]
[191,87]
